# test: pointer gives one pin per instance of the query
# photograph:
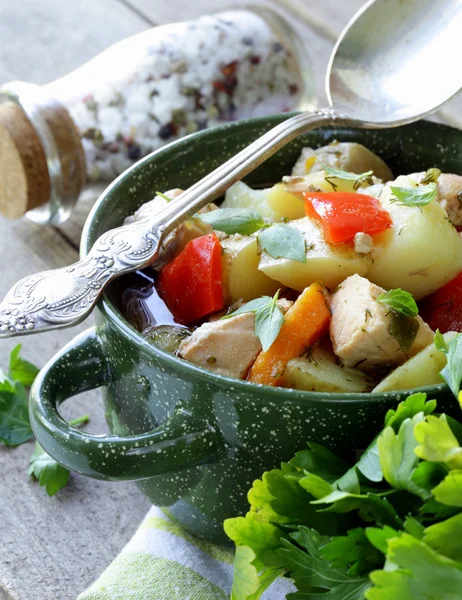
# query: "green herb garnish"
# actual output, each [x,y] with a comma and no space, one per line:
[452,371]
[164,196]
[440,342]
[283,241]
[415,196]
[234,220]
[46,470]
[404,329]
[15,427]
[431,176]
[268,318]
[358,179]
[400,301]
[387,527]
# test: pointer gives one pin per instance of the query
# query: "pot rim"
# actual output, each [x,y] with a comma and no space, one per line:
[258,391]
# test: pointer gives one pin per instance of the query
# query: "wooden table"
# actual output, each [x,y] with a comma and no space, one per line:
[53,548]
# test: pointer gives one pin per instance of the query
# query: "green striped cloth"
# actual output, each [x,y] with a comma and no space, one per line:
[164,562]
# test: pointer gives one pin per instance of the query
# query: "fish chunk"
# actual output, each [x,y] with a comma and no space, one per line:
[366,334]
[347,156]
[227,346]
[449,189]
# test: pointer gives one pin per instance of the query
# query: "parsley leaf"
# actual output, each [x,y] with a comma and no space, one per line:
[234,220]
[397,457]
[348,176]
[20,369]
[309,570]
[418,572]
[352,552]
[15,427]
[437,442]
[415,196]
[452,371]
[445,537]
[283,241]
[46,470]
[248,582]
[400,301]
[321,461]
[449,491]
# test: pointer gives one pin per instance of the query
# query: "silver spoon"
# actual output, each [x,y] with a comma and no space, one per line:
[392,65]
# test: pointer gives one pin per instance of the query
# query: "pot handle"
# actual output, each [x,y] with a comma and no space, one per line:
[182,441]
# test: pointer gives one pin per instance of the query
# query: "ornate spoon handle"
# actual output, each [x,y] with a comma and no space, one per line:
[65,297]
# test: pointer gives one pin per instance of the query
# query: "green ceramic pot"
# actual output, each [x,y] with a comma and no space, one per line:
[195,441]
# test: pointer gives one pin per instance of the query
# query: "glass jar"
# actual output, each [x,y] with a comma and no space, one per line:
[155,87]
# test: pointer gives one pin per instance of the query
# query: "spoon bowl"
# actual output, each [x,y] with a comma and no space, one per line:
[392,64]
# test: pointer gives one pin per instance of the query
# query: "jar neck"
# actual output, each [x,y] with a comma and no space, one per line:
[61,146]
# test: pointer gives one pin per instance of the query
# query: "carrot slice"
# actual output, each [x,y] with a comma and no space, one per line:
[304,323]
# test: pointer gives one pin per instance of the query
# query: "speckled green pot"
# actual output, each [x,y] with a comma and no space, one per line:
[195,441]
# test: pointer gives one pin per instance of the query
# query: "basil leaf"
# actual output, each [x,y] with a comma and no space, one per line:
[415,196]
[234,220]
[452,372]
[283,241]
[268,322]
[404,329]
[440,342]
[401,301]
[251,306]
[347,176]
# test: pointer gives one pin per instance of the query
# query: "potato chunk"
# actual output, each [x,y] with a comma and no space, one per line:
[241,277]
[321,181]
[325,263]
[366,334]
[319,372]
[421,251]
[272,203]
[347,156]
[420,370]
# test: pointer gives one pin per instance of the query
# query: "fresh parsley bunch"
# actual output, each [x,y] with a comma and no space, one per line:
[387,528]
[15,427]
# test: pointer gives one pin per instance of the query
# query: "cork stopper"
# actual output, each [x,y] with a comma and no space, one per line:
[24,179]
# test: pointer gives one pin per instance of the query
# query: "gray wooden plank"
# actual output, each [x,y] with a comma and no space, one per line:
[54,547]
[42,40]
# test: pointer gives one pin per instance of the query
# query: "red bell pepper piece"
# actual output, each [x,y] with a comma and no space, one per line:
[191,285]
[443,309]
[344,214]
